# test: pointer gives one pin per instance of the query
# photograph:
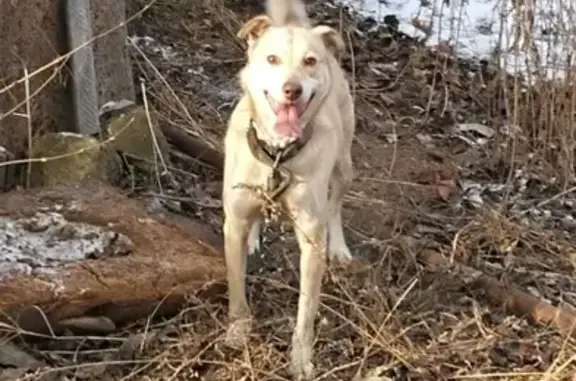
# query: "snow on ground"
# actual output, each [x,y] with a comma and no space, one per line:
[477,27]
[42,242]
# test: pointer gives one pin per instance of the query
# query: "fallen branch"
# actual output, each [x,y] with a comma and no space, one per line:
[7,172]
[514,300]
[99,295]
[194,147]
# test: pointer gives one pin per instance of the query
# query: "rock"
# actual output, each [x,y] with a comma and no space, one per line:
[89,324]
[166,262]
[130,349]
[72,157]
[11,355]
[11,374]
[32,319]
[133,136]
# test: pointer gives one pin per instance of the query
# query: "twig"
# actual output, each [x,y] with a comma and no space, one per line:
[547,201]
[157,151]
[29,123]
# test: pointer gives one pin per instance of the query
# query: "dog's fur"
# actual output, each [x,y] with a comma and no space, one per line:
[325,161]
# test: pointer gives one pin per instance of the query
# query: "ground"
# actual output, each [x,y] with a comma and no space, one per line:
[438,169]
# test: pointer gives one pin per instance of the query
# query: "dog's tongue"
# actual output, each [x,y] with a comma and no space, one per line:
[288,121]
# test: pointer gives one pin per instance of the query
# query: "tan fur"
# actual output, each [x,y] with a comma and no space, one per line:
[254,27]
[324,162]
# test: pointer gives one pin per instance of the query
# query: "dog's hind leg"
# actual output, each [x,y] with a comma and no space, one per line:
[254,238]
[340,183]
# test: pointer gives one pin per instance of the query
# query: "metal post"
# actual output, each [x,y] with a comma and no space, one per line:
[84,93]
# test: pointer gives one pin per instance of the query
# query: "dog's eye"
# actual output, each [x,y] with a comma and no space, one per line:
[273,60]
[309,61]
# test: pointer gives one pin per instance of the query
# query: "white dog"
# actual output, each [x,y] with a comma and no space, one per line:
[296,111]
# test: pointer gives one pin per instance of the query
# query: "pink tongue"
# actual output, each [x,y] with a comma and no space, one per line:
[288,121]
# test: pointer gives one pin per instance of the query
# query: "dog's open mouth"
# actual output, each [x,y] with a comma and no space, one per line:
[288,115]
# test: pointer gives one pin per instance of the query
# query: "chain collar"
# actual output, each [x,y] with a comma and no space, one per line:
[281,177]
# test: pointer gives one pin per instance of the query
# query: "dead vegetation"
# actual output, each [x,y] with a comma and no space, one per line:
[457,228]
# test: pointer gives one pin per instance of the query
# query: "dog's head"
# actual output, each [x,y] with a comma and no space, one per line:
[288,68]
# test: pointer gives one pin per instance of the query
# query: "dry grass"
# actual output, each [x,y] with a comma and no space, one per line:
[389,317]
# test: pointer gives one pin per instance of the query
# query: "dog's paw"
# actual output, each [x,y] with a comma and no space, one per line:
[254,239]
[254,246]
[238,333]
[339,253]
[301,366]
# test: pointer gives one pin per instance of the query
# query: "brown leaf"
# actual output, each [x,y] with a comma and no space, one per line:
[445,188]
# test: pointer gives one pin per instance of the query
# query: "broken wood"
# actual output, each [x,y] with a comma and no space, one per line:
[7,172]
[194,147]
[511,298]
[166,263]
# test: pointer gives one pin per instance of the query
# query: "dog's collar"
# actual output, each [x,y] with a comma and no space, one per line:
[270,155]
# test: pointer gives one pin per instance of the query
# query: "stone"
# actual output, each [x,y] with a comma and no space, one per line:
[163,262]
[69,157]
[137,138]
[11,355]
[89,324]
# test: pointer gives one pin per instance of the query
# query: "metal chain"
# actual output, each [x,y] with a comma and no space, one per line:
[276,184]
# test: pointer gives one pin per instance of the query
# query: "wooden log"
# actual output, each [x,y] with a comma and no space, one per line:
[84,93]
[148,265]
[510,297]
[194,147]
[7,172]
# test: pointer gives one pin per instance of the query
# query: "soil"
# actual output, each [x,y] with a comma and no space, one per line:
[421,183]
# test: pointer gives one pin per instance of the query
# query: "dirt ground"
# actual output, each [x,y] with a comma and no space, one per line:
[433,172]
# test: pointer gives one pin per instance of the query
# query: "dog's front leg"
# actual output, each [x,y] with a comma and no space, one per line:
[311,231]
[239,217]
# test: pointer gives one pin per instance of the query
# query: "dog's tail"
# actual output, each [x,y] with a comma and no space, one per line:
[287,12]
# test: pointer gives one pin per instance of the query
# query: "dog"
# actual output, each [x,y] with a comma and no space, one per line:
[291,131]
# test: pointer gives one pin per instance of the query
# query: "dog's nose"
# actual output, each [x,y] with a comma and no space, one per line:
[292,91]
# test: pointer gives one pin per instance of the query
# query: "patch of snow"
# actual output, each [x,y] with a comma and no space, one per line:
[115,105]
[47,240]
[167,52]
[481,129]
[140,39]
[71,134]
[478,27]
[198,78]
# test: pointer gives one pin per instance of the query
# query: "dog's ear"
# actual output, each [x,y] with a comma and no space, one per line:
[332,39]
[254,28]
